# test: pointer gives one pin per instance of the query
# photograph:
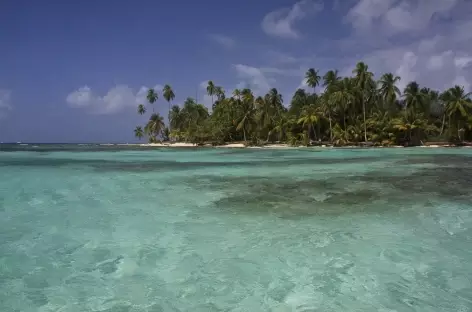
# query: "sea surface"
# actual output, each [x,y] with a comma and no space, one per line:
[127,229]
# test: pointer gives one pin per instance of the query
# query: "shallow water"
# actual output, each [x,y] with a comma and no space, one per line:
[122,229]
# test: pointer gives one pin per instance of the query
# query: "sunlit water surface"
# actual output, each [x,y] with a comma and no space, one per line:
[127,230]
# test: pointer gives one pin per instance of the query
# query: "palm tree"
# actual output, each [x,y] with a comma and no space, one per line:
[299,100]
[237,94]
[274,99]
[220,93]
[342,97]
[350,109]
[245,121]
[309,117]
[169,95]
[414,98]
[312,78]
[211,90]
[363,78]
[458,107]
[152,97]
[280,126]
[175,117]
[154,126]
[141,109]
[330,79]
[388,89]
[412,124]
[247,96]
[138,132]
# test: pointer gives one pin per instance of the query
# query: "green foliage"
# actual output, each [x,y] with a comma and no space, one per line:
[355,110]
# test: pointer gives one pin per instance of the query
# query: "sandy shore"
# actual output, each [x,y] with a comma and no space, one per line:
[177,144]
[275,146]
[231,145]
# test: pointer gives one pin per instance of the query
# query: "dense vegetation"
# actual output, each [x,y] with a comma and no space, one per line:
[349,110]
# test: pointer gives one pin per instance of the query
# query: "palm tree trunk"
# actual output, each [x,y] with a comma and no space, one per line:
[168,119]
[344,120]
[365,126]
[442,126]
[244,132]
[330,129]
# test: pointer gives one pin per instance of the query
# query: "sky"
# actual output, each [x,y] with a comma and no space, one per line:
[74,71]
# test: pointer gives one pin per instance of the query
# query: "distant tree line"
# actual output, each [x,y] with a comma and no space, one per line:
[348,111]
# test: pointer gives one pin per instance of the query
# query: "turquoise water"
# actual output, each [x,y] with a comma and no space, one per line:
[123,229]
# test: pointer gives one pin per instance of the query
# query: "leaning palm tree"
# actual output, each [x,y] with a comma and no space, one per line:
[211,90]
[152,97]
[138,132]
[312,78]
[363,79]
[141,109]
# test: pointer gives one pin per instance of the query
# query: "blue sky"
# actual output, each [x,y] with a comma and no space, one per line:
[74,71]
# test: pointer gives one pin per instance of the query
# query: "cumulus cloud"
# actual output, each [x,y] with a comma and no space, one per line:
[225,41]
[281,23]
[436,68]
[395,17]
[428,41]
[115,100]
[254,78]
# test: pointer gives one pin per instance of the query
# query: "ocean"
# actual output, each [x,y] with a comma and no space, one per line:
[128,229]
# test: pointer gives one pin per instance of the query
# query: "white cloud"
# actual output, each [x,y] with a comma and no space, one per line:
[304,85]
[462,61]
[280,23]
[435,68]
[254,78]
[428,41]
[115,100]
[462,81]
[224,41]
[394,17]
[204,84]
